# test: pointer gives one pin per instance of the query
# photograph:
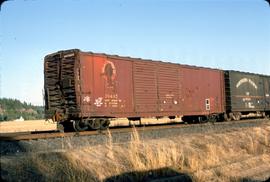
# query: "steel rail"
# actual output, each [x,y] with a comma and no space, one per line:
[50,134]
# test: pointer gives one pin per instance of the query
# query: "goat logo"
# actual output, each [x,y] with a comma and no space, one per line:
[109,73]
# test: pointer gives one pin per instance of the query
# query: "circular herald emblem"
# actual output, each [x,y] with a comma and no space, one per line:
[109,72]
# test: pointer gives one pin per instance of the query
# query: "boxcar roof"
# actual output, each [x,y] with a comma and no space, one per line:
[159,61]
[140,59]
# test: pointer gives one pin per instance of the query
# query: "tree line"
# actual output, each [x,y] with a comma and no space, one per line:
[12,109]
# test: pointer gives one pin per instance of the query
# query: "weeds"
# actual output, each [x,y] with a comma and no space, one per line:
[212,157]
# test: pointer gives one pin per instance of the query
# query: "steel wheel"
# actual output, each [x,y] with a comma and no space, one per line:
[104,123]
[79,126]
[237,116]
[226,117]
[94,124]
[99,123]
[212,119]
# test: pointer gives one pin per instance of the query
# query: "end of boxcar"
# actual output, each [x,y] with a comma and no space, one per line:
[62,93]
[59,86]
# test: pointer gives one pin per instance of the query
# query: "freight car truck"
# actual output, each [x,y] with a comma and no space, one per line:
[87,90]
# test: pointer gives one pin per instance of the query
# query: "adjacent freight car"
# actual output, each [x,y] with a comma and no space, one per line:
[89,89]
[247,95]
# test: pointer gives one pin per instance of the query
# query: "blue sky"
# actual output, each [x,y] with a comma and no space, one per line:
[225,34]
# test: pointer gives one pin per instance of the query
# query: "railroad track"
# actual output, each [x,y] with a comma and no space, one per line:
[53,142]
[56,134]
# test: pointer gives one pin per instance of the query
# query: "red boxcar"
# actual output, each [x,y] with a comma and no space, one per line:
[90,88]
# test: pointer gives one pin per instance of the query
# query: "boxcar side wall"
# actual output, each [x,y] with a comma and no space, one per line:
[123,87]
[106,86]
[169,88]
[202,90]
[246,92]
[156,89]
[115,86]
[144,79]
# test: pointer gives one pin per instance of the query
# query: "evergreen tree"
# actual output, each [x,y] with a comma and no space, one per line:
[11,109]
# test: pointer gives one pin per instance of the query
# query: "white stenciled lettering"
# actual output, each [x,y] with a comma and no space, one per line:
[98,102]
[246,80]
[250,105]
[86,99]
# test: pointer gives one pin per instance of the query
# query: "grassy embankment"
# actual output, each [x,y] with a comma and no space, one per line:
[231,156]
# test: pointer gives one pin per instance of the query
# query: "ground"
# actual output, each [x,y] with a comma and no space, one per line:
[236,155]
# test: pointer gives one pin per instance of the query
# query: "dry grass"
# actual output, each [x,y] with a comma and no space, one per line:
[232,156]
[25,126]
[143,121]
[42,125]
